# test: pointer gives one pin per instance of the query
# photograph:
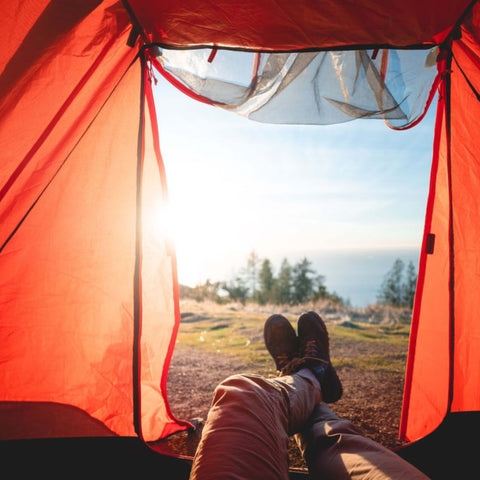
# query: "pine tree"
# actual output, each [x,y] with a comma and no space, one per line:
[302,281]
[409,286]
[391,291]
[319,288]
[283,285]
[266,282]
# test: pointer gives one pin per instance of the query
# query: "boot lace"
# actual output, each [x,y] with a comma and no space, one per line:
[311,349]
[282,360]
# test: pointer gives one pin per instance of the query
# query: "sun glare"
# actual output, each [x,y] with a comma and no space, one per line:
[207,225]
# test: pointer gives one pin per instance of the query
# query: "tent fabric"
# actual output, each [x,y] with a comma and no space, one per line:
[72,281]
[88,287]
[279,25]
[465,111]
[310,87]
[426,391]
[443,373]
[41,64]
[73,344]
[159,293]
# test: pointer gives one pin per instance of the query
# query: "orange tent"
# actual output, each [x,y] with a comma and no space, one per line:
[88,291]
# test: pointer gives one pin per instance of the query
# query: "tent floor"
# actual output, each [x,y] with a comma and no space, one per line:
[92,457]
[449,452]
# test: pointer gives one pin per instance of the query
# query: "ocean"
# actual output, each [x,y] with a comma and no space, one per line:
[357,275]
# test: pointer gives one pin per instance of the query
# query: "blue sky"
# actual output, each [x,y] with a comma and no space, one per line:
[286,191]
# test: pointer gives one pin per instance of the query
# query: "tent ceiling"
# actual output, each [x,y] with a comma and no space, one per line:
[286,25]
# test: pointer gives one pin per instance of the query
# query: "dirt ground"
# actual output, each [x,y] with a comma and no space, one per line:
[372,399]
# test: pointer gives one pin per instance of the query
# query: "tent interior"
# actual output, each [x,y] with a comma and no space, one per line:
[84,360]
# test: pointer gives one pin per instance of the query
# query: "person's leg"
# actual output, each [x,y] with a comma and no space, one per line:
[335,450]
[247,430]
[248,425]
[332,447]
[251,418]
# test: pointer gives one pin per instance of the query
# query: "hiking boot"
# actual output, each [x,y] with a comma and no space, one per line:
[281,342]
[315,351]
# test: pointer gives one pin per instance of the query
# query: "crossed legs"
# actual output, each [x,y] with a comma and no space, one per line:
[252,417]
[248,426]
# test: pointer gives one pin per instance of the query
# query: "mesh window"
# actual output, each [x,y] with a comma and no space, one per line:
[311,87]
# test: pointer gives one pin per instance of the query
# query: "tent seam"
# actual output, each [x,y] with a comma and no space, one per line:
[56,118]
[170,253]
[137,279]
[451,237]
[367,46]
[16,228]
[470,84]
[424,255]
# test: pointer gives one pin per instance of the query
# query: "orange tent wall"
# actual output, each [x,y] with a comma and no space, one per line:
[88,291]
[159,315]
[88,306]
[443,371]
[281,25]
[465,113]
[67,278]
[426,386]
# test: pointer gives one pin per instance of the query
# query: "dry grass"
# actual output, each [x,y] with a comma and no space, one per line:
[368,347]
[238,332]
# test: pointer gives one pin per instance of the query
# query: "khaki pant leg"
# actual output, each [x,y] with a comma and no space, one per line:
[248,425]
[334,449]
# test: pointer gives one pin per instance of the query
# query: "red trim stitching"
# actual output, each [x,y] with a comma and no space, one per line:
[171,253]
[176,83]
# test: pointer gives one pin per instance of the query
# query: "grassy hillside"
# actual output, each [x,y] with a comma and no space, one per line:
[238,332]
[368,347]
